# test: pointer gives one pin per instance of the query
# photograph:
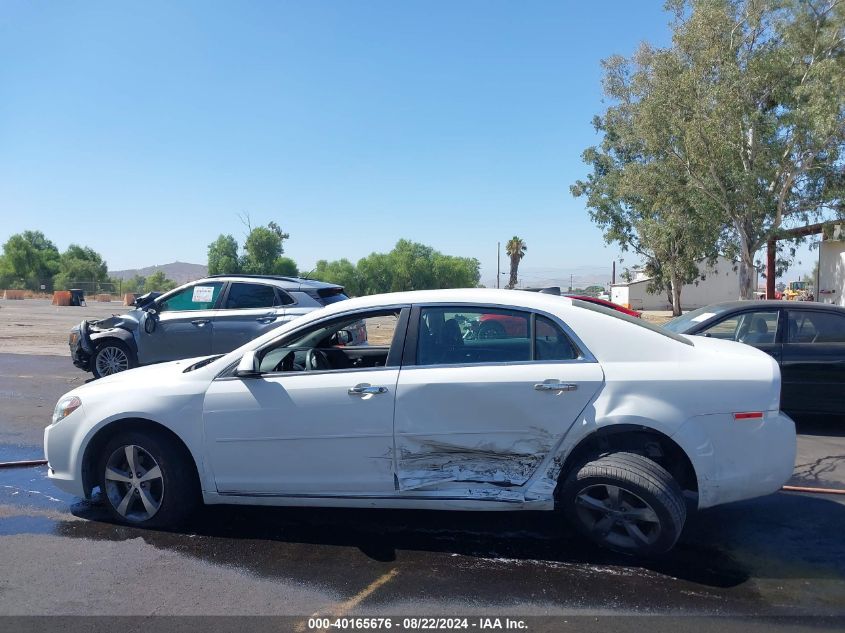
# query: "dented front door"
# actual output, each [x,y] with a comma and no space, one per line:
[485,424]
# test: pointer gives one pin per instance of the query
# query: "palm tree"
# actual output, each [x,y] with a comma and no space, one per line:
[515,249]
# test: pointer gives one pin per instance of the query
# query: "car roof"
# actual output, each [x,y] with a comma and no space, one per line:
[287,283]
[774,303]
[492,296]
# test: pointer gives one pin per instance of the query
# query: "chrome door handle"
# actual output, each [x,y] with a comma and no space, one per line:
[555,386]
[266,319]
[200,322]
[365,390]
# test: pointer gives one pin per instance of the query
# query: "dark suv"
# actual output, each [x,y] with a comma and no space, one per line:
[211,316]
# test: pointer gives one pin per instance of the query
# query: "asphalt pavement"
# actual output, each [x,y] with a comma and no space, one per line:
[781,554]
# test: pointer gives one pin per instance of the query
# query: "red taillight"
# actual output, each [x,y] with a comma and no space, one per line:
[749,415]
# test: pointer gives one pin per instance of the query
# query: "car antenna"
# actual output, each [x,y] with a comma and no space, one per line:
[308,274]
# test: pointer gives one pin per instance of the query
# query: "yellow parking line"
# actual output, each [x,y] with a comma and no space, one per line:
[346,606]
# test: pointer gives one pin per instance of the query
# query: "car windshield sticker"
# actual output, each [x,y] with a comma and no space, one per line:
[703,317]
[203,294]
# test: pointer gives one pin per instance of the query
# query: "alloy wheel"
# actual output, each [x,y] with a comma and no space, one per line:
[111,360]
[617,516]
[134,483]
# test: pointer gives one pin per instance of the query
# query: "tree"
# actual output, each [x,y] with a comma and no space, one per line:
[456,272]
[747,104]
[409,266]
[223,256]
[158,282]
[515,250]
[134,284]
[286,267]
[263,251]
[30,260]
[341,272]
[80,264]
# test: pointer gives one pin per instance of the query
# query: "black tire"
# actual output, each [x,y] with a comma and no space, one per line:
[643,517]
[112,348]
[491,329]
[178,492]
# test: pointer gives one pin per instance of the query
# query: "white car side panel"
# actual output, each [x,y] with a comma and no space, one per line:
[485,424]
[301,432]
[738,459]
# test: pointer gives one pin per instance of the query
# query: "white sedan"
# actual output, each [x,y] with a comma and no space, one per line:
[616,422]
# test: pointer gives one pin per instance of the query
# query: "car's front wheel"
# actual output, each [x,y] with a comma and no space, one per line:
[112,357]
[146,480]
[625,502]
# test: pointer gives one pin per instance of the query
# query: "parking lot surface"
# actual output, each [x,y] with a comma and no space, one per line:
[60,555]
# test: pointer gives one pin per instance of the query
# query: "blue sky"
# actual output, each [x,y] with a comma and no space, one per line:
[143,129]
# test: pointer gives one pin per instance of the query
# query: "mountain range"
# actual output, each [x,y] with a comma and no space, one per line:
[180,272]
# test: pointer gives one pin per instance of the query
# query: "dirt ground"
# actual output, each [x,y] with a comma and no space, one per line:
[33,326]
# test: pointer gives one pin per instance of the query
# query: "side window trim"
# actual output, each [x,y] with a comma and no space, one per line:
[409,354]
[393,357]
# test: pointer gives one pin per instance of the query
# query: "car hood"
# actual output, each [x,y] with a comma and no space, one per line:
[150,375]
[128,321]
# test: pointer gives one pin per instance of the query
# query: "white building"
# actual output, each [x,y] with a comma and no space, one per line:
[720,283]
[831,282]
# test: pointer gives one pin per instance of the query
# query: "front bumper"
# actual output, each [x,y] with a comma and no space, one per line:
[81,348]
[739,459]
[62,452]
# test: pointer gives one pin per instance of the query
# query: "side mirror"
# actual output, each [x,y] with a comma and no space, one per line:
[150,320]
[248,367]
[343,337]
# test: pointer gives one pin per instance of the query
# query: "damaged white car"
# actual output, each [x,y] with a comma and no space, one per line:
[621,425]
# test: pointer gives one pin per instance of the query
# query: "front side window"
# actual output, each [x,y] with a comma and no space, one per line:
[353,342]
[243,296]
[815,327]
[200,297]
[752,328]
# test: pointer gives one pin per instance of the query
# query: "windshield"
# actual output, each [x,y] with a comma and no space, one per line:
[684,322]
[625,317]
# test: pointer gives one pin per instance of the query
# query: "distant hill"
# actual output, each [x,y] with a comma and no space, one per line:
[180,272]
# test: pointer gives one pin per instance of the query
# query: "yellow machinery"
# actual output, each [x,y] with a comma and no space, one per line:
[797,291]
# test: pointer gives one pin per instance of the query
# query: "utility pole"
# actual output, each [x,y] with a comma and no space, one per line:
[570,282]
[498,263]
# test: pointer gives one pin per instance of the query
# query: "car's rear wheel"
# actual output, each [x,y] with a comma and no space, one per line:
[112,357]
[146,480]
[625,502]
[491,329]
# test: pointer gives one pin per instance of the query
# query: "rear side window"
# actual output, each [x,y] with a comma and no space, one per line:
[243,296]
[550,343]
[815,327]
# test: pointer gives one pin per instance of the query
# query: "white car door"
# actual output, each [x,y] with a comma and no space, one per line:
[484,405]
[300,429]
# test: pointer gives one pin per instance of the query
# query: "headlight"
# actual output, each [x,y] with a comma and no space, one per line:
[65,407]
[74,336]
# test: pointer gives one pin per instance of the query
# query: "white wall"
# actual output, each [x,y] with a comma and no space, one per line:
[831,272]
[721,283]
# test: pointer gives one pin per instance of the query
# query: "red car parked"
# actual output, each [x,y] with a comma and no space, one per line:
[502,325]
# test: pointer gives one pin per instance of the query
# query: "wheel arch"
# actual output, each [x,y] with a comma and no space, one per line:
[637,438]
[124,336]
[104,434]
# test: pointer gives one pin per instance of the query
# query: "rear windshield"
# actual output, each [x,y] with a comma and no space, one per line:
[686,321]
[334,298]
[634,321]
